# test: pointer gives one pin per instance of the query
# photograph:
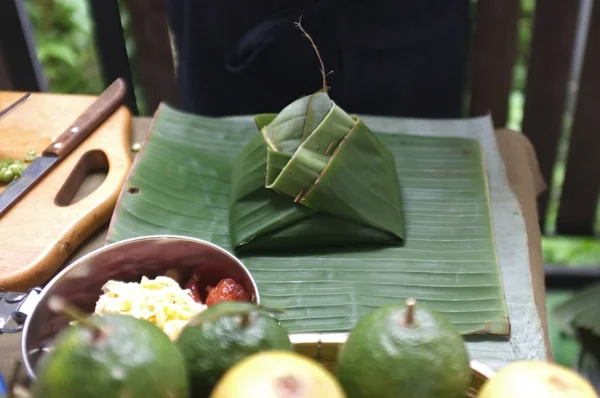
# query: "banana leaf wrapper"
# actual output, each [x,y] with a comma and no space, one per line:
[314,176]
[181,184]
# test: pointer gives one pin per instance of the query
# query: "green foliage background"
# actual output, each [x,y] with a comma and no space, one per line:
[65,47]
[63,31]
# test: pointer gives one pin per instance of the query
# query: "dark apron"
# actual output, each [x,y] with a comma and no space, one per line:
[401,58]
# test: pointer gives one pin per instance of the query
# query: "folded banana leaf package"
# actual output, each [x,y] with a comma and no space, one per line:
[314,176]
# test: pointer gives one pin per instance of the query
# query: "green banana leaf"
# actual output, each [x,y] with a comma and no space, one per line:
[183,176]
[313,177]
[582,311]
[579,317]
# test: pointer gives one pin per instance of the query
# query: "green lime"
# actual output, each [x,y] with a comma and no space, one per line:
[120,356]
[224,334]
[404,351]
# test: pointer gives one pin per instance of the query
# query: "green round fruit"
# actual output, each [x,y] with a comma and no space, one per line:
[224,334]
[123,357]
[404,351]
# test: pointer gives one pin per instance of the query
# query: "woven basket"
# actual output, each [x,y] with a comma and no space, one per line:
[324,347]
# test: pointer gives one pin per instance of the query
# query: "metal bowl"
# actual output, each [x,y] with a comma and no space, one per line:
[81,282]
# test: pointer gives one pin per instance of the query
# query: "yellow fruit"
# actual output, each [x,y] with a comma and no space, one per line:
[277,374]
[536,379]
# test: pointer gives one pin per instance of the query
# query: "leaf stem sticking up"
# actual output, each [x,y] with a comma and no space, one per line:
[57,304]
[409,319]
[299,26]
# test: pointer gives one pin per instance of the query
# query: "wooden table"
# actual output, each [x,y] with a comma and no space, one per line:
[524,177]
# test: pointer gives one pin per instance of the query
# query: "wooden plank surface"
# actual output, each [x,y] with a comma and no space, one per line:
[154,53]
[494,52]
[577,209]
[42,230]
[552,44]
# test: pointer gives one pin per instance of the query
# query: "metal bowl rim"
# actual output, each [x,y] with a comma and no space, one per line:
[87,257]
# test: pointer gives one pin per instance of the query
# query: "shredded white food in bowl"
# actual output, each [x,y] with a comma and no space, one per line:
[161,301]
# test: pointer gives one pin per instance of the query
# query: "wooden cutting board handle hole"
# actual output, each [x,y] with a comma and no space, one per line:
[89,173]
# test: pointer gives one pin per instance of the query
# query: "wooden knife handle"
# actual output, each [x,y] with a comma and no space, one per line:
[87,122]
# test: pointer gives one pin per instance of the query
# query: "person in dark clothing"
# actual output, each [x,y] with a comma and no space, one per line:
[387,57]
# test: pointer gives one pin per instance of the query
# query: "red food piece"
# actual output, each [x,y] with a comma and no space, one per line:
[194,288]
[227,290]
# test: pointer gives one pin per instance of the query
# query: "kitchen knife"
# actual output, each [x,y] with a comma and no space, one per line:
[64,144]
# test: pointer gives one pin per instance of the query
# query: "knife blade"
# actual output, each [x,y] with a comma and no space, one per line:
[64,144]
[15,104]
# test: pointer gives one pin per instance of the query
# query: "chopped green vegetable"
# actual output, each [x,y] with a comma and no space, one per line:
[30,156]
[16,168]
[5,162]
[11,168]
[7,176]
[136,147]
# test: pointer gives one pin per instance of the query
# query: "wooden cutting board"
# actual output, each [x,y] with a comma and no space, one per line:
[52,220]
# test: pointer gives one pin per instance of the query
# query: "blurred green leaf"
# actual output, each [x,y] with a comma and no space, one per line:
[528,8]
[58,51]
[580,312]
[565,348]
[64,44]
[571,251]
